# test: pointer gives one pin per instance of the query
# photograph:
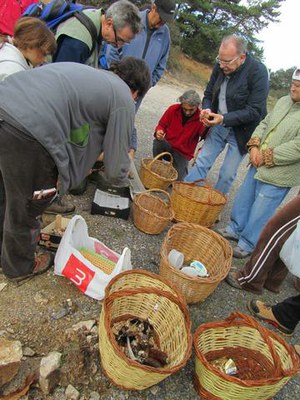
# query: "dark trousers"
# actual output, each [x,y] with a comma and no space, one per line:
[180,162]
[288,312]
[265,268]
[25,166]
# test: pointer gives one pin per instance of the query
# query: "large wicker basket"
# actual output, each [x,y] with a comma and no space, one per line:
[200,204]
[170,319]
[151,214]
[196,243]
[265,362]
[156,173]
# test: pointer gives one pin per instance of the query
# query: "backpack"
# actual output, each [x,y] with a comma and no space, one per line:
[58,11]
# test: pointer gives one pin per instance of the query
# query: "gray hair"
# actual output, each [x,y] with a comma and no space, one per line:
[123,13]
[239,42]
[190,97]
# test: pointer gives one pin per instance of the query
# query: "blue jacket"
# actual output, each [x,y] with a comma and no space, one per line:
[246,98]
[157,52]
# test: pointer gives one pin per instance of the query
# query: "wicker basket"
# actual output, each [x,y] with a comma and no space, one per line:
[139,279]
[156,173]
[170,319]
[150,213]
[265,362]
[200,204]
[196,243]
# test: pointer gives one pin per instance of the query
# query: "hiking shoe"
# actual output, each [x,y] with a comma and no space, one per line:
[43,261]
[264,312]
[60,206]
[94,176]
[227,235]
[232,280]
[240,253]
[80,189]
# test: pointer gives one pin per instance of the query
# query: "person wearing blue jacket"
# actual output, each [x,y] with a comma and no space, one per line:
[152,45]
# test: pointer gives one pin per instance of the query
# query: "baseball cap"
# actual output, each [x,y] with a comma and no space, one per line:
[296,74]
[165,9]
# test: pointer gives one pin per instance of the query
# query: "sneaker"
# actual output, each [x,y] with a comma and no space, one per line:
[43,261]
[264,312]
[223,232]
[232,280]
[80,189]
[60,206]
[240,253]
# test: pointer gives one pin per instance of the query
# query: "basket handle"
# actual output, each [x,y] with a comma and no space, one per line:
[160,156]
[154,190]
[265,335]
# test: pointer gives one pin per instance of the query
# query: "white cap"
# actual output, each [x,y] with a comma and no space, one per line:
[296,74]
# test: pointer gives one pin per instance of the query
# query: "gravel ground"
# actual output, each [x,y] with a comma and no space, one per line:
[26,318]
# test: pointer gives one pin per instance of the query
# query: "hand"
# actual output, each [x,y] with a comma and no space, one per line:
[256,158]
[131,154]
[212,119]
[160,135]
[204,114]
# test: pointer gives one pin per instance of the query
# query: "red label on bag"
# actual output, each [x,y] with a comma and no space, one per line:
[78,273]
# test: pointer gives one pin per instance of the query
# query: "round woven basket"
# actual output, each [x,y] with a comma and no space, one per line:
[264,361]
[139,279]
[200,204]
[156,173]
[169,318]
[151,214]
[196,243]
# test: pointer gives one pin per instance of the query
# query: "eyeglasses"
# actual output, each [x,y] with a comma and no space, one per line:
[119,42]
[226,62]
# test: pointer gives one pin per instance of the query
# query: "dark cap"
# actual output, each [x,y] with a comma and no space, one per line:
[165,9]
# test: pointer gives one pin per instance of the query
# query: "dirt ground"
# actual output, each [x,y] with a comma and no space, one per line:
[34,312]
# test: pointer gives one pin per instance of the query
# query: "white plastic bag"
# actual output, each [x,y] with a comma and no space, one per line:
[70,263]
[290,252]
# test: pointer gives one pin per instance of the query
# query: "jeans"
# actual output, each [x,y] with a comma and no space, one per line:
[214,144]
[25,166]
[180,162]
[253,206]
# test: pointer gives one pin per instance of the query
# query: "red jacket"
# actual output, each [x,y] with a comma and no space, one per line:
[182,138]
[10,12]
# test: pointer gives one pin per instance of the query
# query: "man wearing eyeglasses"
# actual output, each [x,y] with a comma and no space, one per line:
[233,105]
[117,25]
[152,44]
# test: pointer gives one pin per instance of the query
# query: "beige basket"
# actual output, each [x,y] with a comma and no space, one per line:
[150,213]
[197,204]
[156,173]
[166,313]
[265,362]
[196,243]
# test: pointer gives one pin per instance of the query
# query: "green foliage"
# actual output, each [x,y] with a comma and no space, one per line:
[203,23]
[280,82]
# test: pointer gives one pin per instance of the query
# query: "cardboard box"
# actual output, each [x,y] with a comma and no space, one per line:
[111,205]
[48,236]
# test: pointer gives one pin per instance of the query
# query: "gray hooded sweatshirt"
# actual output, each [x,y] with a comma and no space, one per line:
[75,112]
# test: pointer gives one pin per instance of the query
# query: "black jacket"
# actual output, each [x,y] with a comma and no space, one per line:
[246,98]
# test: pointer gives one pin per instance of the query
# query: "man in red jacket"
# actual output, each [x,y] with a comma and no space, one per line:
[179,130]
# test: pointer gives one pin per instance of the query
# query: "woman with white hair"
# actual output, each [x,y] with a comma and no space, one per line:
[179,131]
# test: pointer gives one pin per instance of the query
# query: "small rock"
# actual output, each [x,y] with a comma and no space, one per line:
[39,298]
[94,396]
[154,390]
[49,371]
[10,359]
[28,352]
[87,325]
[72,393]
[10,330]
[2,286]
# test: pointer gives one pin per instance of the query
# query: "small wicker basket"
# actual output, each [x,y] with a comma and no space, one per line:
[170,320]
[156,173]
[151,214]
[196,243]
[264,361]
[200,204]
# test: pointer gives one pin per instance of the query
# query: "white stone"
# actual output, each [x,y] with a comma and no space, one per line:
[87,325]
[71,393]
[10,359]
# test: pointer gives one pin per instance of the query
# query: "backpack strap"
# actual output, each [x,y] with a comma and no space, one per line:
[88,24]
